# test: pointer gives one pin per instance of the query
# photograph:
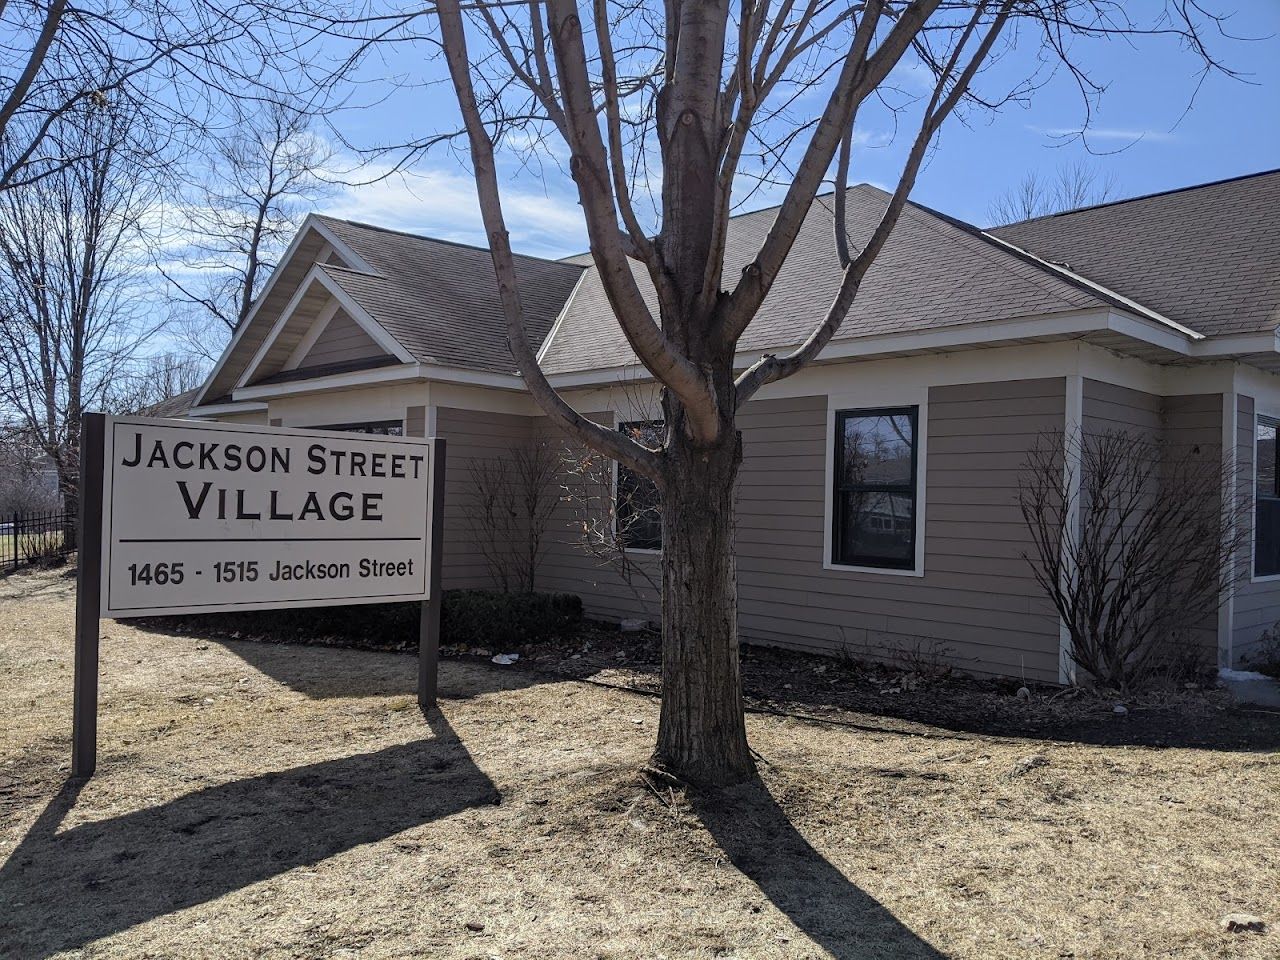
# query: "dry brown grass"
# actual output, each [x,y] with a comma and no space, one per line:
[287,801]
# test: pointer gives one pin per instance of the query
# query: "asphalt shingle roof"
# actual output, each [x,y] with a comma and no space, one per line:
[1207,256]
[932,273]
[440,300]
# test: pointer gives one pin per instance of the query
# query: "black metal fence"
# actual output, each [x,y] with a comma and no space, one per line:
[35,538]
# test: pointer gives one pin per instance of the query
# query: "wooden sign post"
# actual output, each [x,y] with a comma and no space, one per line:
[193,517]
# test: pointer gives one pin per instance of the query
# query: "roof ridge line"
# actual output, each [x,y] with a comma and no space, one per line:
[1077,279]
[1142,196]
[441,240]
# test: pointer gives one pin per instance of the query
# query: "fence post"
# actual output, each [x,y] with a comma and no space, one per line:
[13,531]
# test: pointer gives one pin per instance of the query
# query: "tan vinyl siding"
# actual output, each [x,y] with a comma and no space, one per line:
[1193,427]
[1186,425]
[976,605]
[1256,605]
[342,340]
[470,435]
[1109,408]
[608,592]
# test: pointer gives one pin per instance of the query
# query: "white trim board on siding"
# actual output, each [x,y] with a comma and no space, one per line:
[317,329]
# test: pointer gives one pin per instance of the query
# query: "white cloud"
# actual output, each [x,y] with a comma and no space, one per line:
[1107,133]
[442,203]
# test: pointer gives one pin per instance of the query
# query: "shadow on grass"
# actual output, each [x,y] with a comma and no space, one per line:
[62,890]
[761,841]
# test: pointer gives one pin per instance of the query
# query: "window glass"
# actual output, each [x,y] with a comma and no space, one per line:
[874,497]
[638,513]
[382,428]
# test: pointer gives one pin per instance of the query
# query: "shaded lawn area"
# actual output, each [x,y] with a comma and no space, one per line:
[288,801]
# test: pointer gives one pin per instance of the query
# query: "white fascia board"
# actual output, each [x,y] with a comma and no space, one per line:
[352,259]
[223,409]
[334,381]
[367,322]
[317,275]
[1140,327]
[381,376]
[318,326]
[304,286]
[935,338]
[1235,344]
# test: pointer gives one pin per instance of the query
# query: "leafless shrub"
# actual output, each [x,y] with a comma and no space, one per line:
[1133,543]
[926,657]
[512,500]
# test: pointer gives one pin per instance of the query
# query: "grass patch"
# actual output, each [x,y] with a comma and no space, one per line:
[280,800]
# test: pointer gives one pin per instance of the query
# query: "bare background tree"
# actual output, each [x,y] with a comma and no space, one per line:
[1071,186]
[173,61]
[259,182]
[511,502]
[72,245]
[150,385]
[25,483]
[668,105]
[1135,547]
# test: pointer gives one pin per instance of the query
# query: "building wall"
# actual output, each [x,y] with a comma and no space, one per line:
[1107,407]
[976,601]
[341,341]
[611,587]
[1256,605]
[471,437]
[1183,426]
[976,605]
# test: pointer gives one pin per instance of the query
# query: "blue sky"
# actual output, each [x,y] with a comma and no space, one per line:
[1142,137]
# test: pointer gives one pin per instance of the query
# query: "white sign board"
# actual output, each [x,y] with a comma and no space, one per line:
[201,517]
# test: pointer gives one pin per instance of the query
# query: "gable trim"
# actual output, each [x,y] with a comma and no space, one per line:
[317,275]
[318,327]
[311,222]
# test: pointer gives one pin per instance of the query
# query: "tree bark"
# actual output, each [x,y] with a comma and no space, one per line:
[702,737]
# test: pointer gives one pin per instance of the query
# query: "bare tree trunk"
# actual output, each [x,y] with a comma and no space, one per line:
[702,735]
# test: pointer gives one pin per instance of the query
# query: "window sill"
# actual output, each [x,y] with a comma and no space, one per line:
[883,571]
[1265,578]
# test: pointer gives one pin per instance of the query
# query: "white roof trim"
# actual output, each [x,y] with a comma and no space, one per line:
[376,376]
[223,409]
[366,320]
[956,336]
[1128,302]
[1238,343]
[311,222]
[555,327]
[318,326]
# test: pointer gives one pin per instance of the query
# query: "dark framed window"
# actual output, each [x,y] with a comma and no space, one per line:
[873,515]
[1266,525]
[638,510]
[381,428]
